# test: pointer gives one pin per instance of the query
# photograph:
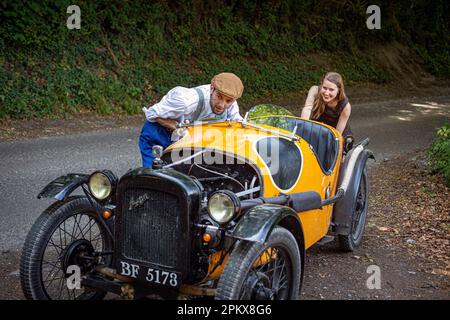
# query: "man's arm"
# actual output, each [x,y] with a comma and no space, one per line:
[171,108]
[234,112]
[170,124]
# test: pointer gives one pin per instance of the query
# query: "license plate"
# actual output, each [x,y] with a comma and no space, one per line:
[150,275]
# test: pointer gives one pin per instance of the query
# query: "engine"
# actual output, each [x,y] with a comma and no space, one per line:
[216,171]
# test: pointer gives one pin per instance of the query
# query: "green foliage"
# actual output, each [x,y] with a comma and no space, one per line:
[264,110]
[130,53]
[439,153]
[425,26]
[271,115]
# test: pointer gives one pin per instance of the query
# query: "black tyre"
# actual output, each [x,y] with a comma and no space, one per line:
[256,271]
[353,240]
[66,233]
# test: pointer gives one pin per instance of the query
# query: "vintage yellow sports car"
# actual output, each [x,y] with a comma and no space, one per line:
[227,211]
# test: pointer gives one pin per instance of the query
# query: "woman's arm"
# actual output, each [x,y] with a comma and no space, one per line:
[307,109]
[343,118]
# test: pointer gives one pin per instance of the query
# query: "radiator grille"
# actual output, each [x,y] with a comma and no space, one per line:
[152,229]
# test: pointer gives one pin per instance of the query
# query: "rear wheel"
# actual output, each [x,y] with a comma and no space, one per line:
[353,240]
[65,234]
[269,271]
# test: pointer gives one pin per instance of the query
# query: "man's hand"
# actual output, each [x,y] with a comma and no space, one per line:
[170,124]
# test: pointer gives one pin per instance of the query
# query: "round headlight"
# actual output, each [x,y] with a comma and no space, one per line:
[223,206]
[100,185]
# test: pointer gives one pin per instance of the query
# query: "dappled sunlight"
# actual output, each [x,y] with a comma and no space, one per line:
[405,115]
[403,118]
[430,107]
[426,106]
[413,111]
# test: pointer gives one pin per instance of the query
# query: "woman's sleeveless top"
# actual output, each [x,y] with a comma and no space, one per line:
[331,116]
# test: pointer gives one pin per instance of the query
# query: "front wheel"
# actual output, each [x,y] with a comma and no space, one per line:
[353,240]
[269,271]
[66,234]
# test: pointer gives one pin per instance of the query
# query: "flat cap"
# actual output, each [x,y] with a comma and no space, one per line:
[228,84]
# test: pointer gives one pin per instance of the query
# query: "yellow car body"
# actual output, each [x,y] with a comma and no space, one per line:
[234,139]
[228,210]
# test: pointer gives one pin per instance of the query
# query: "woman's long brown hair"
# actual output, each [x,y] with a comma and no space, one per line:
[319,104]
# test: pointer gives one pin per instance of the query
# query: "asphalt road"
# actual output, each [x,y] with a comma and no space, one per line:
[26,166]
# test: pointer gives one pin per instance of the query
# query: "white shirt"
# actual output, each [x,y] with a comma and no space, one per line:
[180,103]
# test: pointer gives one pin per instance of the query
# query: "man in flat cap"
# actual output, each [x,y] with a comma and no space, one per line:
[212,101]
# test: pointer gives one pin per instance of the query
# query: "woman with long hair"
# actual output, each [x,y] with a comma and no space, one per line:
[328,103]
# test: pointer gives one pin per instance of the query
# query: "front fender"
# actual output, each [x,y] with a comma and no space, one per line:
[343,209]
[257,224]
[63,186]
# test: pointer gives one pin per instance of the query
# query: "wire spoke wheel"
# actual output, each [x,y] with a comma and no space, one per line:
[269,280]
[67,234]
[61,250]
[269,271]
